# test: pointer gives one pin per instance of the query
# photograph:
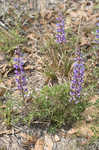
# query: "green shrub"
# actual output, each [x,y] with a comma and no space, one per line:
[52,105]
[9,41]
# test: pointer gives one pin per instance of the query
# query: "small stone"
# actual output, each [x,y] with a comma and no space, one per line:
[56,137]
[89,119]
[48,143]
[39,144]
[71,131]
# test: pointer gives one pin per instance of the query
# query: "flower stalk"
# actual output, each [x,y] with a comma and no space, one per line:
[60,30]
[97,32]
[19,74]
[77,79]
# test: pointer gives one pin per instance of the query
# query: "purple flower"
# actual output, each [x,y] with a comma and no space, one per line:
[19,72]
[60,30]
[97,24]
[77,79]
[97,34]
[97,30]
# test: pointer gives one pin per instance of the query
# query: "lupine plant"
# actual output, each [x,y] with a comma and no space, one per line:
[97,32]
[78,70]
[60,30]
[77,79]
[55,50]
[19,74]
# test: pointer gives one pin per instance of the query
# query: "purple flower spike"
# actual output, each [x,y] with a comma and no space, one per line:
[60,30]
[77,79]
[19,72]
[97,33]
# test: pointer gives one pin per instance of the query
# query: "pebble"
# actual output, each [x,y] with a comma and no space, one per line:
[39,144]
[48,142]
[56,138]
